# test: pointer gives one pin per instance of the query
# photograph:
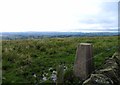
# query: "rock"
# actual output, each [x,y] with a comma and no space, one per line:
[109,74]
[98,79]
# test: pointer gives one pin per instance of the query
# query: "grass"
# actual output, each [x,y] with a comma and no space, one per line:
[22,58]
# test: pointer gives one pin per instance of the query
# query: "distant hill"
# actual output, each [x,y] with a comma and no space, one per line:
[37,35]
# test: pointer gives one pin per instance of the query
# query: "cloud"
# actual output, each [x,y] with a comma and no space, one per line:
[54,15]
[106,20]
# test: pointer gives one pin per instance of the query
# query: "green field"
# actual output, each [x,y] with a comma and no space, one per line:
[25,61]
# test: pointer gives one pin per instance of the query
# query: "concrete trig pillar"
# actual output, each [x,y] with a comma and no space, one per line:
[83,65]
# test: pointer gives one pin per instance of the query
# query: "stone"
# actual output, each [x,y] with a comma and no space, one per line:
[83,65]
[109,74]
[98,79]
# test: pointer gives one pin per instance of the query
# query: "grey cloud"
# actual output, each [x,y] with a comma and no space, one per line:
[107,19]
[97,29]
[97,20]
[110,6]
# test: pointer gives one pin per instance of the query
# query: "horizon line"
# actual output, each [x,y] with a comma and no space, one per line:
[59,31]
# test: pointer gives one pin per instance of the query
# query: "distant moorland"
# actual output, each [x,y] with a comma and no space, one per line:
[38,35]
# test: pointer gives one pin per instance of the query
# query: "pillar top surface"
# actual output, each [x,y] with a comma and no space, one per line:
[85,43]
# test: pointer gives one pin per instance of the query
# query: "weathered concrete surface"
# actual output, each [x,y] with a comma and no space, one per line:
[109,74]
[83,63]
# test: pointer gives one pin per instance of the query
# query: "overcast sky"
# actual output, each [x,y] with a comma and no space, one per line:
[58,15]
